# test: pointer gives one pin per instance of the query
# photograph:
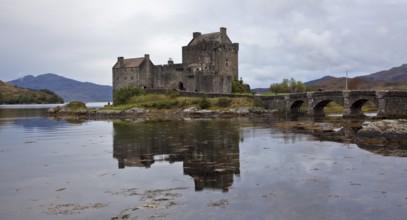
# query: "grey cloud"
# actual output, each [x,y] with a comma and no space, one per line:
[278,38]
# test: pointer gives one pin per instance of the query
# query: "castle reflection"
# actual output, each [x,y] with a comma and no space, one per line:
[209,150]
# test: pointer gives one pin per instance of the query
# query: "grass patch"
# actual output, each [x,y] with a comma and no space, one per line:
[333,108]
[369,107]
[76,105]
[273,94]
[173,101]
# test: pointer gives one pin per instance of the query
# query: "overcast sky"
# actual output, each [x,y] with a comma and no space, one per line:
[307,39]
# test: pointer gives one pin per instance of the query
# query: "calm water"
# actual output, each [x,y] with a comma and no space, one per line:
[190,169]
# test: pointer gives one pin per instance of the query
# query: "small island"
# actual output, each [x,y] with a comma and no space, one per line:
[10,94]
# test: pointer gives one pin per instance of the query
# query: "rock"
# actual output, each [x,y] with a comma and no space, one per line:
[75,105]
[54,110]
[241,110]
[191,109]
[72,108]
[386,127]
[136,111]
[203,113]
[257,110]
[109,112]
[382,132]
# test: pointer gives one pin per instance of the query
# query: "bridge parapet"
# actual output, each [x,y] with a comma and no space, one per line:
[297,95]
[275,103]
[326,94]
[361,92]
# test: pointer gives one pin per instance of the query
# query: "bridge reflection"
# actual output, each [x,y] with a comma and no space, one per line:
[209,150]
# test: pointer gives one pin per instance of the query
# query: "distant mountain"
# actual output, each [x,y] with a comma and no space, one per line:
[396,74]
[11,94]
[260,90]
[315,81]
[394,78]
[68,89]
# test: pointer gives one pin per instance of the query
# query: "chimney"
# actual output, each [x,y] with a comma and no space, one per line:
[120,60]
[170,61]
[196,34]
[147,56]
[223,31]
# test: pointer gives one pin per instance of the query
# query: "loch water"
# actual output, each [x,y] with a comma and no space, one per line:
[238,168]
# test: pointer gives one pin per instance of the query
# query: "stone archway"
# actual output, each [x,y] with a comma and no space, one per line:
[181,86]
[318,109]
[295,108]
[356,107]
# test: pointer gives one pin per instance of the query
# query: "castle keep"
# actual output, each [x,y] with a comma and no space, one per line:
[209,65]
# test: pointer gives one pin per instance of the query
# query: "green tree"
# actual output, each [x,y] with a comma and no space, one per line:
[301,87]
[276,88]
[238,86]
[288,86]
[122,95]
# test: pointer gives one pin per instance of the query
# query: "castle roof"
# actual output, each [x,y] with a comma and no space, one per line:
[130,62]
[216,36]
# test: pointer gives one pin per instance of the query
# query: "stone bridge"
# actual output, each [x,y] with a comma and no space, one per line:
[390,104]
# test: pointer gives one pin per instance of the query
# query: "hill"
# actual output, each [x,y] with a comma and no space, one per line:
[68,89]
[396,74]
[394,78]
[10,94]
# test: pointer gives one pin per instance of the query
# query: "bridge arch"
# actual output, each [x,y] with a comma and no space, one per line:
[318,108]
[357,99]
[295,107]
[355,108]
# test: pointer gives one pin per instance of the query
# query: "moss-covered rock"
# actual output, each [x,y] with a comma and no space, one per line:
[75,106]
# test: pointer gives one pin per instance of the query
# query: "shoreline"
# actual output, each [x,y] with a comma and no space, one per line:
[133,113]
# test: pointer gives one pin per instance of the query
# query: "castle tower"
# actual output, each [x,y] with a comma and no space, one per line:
[213,52]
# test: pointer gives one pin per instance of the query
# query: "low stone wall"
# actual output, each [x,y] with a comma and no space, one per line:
[199,94]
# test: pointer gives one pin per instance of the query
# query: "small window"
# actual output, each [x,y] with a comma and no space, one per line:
[227,62]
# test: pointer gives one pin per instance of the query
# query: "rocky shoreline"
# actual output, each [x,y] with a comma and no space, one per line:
[384,132]
[192,112]
[375,133]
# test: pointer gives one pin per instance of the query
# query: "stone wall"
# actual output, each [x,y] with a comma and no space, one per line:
[392,104]
[213,56]
[134,76]
[200,94]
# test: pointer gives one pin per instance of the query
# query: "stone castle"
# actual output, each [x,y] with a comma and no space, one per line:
[209,65]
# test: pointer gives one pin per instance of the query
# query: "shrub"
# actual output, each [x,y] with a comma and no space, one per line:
[75,106]
[161,104]
[204,103]
[224,102]
[173,94]
[238,86]
[122,95]
[257,102]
